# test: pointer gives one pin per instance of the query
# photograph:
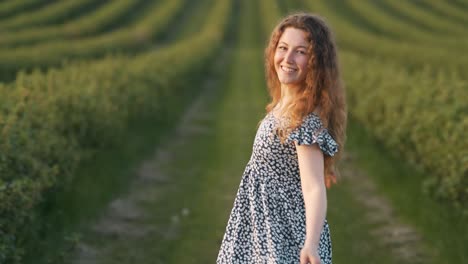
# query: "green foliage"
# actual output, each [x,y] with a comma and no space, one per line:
[51,121]
[52,13]
[134,37]
[388,25]
[418,115]
[411,54]
[103,17]
[270,13]
[441,25]
[448,10]
[408,89]
[11,8]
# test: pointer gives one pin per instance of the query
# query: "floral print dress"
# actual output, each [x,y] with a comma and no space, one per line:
[267,221]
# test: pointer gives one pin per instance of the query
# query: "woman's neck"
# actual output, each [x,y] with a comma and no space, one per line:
[286,92]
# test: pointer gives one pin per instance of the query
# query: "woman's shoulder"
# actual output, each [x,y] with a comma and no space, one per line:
[313,119]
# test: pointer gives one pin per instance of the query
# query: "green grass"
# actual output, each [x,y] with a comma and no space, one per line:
[190,19]
[239,110]
[96,183]
[350,230]
[442,227]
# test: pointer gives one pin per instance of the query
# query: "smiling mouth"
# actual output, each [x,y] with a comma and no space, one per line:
[287,69]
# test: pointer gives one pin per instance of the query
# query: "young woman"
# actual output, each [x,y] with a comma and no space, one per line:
[279,211]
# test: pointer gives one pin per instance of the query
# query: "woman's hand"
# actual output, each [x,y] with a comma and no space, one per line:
[309,255]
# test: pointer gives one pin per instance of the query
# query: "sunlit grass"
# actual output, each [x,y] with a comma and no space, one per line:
[443,228]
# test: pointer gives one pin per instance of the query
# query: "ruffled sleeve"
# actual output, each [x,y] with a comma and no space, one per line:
[312,131]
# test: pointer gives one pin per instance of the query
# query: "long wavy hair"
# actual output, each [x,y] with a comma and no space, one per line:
[322,91]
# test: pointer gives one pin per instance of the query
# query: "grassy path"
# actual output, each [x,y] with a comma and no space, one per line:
[367,228]
[142,225]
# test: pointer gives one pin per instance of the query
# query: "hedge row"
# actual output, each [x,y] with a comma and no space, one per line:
[418,116]
[131,38]
[412,101]
[52,13]
[49,122]
[354,38]
[448,10]
[95,22]
[389,25]
[444,27]
[270,13]
[11,8]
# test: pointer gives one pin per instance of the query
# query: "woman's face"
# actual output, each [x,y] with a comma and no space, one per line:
[291,57]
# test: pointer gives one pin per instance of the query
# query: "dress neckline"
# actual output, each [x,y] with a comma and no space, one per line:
[274,117]
[282,118]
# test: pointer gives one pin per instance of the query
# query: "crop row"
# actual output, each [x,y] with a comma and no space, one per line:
[94,22]
[420,115]
[270,12]
[354,38]
[442,26]
[130,38]
[52,13]
[11,8]
[49,122]
[447,10]
[400,30]
[418,111]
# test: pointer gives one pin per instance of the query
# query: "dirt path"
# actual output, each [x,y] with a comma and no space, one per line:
[402,240]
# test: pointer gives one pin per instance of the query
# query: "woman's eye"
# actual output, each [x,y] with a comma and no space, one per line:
[302,52]
[282,48]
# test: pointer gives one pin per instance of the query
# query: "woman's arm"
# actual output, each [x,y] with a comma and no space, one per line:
[311,167]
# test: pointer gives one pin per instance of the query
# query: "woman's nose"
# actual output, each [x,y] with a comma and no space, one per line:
[289,57]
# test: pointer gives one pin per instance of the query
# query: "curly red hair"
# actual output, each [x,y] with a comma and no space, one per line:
[322,90]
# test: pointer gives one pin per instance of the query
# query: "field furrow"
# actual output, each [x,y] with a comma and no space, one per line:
[128,39]
[54,13]
[101,19]
[11,8]
[398,30]
[435,23]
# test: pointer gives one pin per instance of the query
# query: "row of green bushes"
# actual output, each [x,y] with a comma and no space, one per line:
[420,115]
[49,122]
[448,10]
[390,25]
[412,55]
[157,18]
[96,21]
[52,13]
[442,26]
[11,8]
[411,100]
[270,13]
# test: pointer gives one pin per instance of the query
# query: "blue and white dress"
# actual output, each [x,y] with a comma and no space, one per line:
[267,222]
